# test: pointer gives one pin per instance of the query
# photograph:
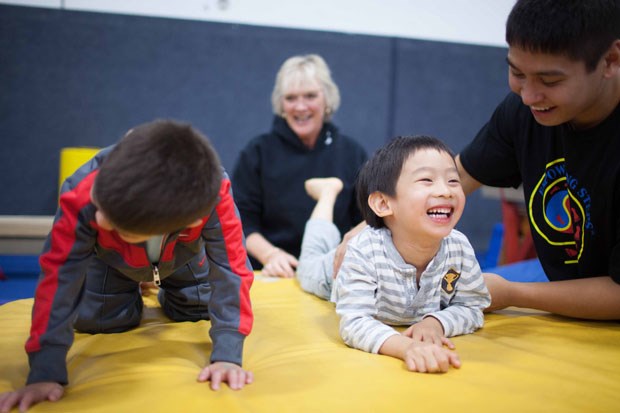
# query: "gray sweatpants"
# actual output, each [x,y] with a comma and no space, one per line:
[316,261]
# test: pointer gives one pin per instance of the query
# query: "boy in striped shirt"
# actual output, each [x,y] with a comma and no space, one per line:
[410,266]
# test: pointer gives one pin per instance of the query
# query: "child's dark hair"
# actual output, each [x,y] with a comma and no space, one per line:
[159,178]
[582,30]
[381,172]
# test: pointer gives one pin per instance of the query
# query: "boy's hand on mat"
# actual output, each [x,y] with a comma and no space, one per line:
[500,289]
[148,288]
[429,330]
[30,395]
[425,357]
[222,371]
[280,264]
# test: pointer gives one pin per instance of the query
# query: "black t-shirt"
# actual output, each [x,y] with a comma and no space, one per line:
[571,183]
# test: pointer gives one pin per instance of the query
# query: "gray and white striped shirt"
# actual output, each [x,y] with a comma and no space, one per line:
[376,287]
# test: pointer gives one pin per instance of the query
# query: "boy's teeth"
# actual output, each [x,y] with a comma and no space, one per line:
[440,211]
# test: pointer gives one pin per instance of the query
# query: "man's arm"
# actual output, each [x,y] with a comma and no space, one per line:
[468,183]
[342,247]
[590,298]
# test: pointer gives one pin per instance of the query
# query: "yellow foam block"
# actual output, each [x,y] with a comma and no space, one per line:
[521,361]
[71,159]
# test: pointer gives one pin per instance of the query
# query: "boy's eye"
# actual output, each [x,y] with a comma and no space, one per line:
[550,82]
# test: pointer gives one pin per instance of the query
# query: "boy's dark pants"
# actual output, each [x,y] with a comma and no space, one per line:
[112,302]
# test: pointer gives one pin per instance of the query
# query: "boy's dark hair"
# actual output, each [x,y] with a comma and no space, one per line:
[581,30]
[381,172]
[159,178]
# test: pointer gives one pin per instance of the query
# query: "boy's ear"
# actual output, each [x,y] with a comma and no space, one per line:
[102,221]
[380,204]
[195,223]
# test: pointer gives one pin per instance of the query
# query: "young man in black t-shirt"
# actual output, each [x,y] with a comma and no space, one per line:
[558,134]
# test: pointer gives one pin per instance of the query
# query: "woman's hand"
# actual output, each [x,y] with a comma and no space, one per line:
[280,264]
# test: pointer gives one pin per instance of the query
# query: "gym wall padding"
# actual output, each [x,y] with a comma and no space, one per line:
[72,78]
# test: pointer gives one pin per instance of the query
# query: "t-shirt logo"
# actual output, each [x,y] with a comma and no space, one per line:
[565,210]
[449,280]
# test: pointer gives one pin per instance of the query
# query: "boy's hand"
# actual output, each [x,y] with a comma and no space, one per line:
[425,357]
[221,371]
[30,395]
[429,330]
[148,288]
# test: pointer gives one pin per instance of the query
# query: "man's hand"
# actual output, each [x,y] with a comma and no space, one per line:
[30,395]
[230,373]
[342,247]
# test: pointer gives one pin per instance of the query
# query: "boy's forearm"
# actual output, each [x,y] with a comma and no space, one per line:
[227,346]
[48,365]
[395,346]
[590,298]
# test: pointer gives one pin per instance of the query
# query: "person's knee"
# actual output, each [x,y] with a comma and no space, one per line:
[108,313]
[187,304]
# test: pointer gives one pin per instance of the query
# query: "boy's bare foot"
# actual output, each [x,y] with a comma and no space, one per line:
[318,187]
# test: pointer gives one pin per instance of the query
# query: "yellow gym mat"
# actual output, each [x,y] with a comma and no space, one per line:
[521,361]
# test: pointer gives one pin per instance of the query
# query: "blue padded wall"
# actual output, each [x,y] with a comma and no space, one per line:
[78,78]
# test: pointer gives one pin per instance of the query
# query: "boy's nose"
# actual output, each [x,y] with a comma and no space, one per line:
[442,189]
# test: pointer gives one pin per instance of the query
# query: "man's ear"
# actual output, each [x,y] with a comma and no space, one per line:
[380,204]
[612,59]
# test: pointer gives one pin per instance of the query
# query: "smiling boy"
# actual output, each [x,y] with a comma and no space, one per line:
[410,266]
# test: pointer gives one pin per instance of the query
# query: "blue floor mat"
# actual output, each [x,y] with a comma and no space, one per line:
[18,276]
[524,271]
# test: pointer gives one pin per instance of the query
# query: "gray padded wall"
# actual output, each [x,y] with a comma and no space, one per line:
[75,78]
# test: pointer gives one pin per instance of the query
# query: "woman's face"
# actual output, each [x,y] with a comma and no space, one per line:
[303,104]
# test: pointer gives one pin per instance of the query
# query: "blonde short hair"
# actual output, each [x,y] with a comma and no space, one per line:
[301,68]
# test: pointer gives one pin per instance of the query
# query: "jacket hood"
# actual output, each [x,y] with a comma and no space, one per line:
[280,128]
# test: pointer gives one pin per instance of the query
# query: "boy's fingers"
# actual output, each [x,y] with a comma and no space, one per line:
[204,374]
[216,380]
[447,342]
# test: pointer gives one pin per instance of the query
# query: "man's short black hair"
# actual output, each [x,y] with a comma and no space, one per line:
[582,30]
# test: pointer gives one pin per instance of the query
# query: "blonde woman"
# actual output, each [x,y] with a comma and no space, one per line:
[269,176]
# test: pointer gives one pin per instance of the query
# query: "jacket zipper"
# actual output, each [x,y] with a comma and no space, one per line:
[156,278]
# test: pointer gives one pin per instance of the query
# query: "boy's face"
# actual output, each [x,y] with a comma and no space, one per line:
[429,198]
[558,89]
[129,237]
